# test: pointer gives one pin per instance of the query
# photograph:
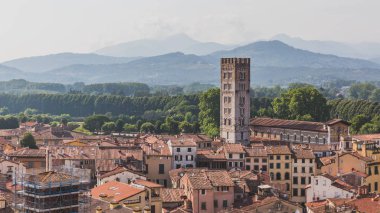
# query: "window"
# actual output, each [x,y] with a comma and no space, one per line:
[310,169]
[264,160]
[295,180]
[303,160]
[278,176]
[278,157]
[295,160]
[302,192]
[303,170]
[225,188]
[225,203]
[230,164]
[376,187]
[316,182]
[286,157]
[376,170]
[295,192]
[295,169]
[161,168]
[256,160]
[271,165]
[287,187]
[369,171]
[248,160]
[241,156]
[271,157]
[241,164]
[203,206]
[256,168]
[247,167]
[178,149]
[311,160]
[303,180]
[278,165]
[203,191]
[264,168]
[215,203]
[286,165]
[178,166]
[287,176]
[229,155]
[188,149]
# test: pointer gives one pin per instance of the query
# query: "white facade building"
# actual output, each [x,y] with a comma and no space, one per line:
[184,152]
[326,186]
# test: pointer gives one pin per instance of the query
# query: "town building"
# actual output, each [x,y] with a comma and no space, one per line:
[183,152]
[120,174]
[121,196]
[326,186]
[256,158]
[303,132]
[49,192]
[208,190]
[33,159]
[235,100]
[153,192]
[280,168]
[158,162]
[235,155]
[303,166]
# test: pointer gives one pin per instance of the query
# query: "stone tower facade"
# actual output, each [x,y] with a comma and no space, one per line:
[235,100]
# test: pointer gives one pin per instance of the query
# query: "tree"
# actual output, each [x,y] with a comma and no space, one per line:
[301,103]
[95,122]
[186,127]
[357,122]
[28,141]
[119,125]
[108,127]
[209,115]
[147,127]
[129,128]
[375,95]
[361,91]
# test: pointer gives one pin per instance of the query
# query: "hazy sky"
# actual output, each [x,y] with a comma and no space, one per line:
[38,27]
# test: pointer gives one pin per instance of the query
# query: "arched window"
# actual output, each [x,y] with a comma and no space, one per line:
[271,176]
[278,176]
[309,139]
[295,137]
[316,139]
[287,176]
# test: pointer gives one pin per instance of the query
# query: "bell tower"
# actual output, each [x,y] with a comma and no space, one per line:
[235,99]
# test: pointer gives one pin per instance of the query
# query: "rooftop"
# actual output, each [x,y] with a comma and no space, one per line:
[114,191]
[278,150]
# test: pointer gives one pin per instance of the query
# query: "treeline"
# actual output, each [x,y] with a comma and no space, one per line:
[347,109]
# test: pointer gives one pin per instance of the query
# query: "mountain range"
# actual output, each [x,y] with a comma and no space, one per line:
[273,62]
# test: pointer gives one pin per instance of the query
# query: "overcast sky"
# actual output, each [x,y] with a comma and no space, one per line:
[39,27]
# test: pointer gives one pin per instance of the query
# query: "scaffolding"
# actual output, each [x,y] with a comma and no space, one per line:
[63,190]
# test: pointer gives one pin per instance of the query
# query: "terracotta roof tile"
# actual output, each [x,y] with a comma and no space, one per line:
[148,184]
[46,177]
[303,153]
[115,191]
[26,152]
[233,148]
[171,195]
[288,124]
[278,150]
[256,151]
[367,137]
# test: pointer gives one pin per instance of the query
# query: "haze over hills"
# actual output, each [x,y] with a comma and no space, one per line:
[153,47]
[353,50]
[273,62]
[54,61]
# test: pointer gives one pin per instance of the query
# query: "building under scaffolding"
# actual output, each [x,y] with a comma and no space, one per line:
[62,190]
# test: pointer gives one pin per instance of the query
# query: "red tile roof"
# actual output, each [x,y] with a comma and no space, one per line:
[278,150]
[288,124]
[367,137]
[114,191]
[233,148]
[171,195]
[148,184]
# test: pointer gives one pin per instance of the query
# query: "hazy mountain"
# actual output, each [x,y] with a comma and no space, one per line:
[353,50]
[173,68]
[8,73]
[273,62]
[54,61]
[279,54]
[376,60]
[153,47]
